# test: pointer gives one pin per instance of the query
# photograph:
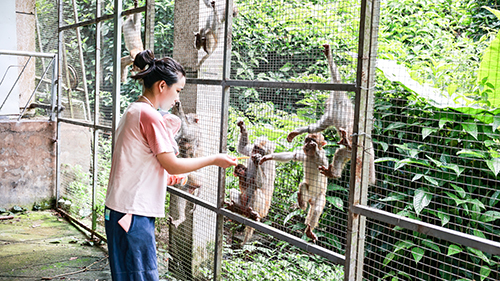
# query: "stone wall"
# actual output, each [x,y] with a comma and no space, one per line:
[27,162]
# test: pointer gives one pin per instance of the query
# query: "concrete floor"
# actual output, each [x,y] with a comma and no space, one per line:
[43,246]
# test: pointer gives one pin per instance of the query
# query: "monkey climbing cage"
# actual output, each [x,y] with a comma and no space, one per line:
[266,66]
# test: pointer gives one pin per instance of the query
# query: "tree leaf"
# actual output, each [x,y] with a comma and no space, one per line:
[417,177]
[431,180]
[421,199]
[445,120]
[394,125]
[431,245]
[458,170]
[454,249]
[393,197]
[470,153]
[494,198]
[459,190]
[490,216]
[335,187]
[427,131]
[336,201]
[405,244]
[291,215]
[457,200]
[484,272]
[494,165]
[390,256]
[418,253]
[495,12]
[444,218]
[496,123]
[385,159]
[479,254]
[470,128]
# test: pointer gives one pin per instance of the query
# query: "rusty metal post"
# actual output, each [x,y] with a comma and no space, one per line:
[367,50]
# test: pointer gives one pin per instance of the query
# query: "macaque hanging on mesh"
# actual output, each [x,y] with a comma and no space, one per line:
[188,140]
[131,29]
[256,181]
[339,113]
[312,189]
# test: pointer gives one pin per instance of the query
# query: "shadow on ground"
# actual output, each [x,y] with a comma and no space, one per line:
[44,246]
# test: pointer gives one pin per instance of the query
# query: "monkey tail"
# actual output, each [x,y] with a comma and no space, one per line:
[248,234]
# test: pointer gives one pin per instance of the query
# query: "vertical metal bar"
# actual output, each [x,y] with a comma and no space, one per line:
[68,82]
[361,140]
[117,28]
[97,84]
[82,64]
[354,220]
[221,191]
[53,99]
[371,35]
[149,26]
[58,133]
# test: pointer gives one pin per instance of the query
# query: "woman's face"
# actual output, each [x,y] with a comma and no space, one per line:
[170,95]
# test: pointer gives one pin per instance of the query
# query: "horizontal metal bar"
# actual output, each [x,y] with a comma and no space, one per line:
[75,221]
[85,124]
[454,236]
[192,198]
[298,242]
[311,248]
[99,19]
[203,81]
[291,85]
[27,54]
[271,84]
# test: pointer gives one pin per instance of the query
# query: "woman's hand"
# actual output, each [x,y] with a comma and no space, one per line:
[224,161]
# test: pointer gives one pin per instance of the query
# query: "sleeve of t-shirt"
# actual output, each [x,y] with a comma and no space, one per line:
[154,131]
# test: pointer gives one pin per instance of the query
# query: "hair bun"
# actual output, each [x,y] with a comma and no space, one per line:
[144,59]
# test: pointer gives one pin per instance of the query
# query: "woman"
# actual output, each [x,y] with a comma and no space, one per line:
[144,161]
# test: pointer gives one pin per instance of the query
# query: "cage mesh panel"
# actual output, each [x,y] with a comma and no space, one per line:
[284,213]
[437,164]
[106,75]
[201,220]
[270,248]
[103,169]
[73,97]
[390,252]
[85,11]
[75,174]
[328,22]
[45,42]
[200,245]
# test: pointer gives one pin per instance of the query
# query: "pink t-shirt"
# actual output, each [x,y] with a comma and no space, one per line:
[137,181]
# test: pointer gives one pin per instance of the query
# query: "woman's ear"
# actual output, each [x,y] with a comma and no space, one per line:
[162,85]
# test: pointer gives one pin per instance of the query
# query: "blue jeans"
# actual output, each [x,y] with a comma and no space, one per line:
[132,254]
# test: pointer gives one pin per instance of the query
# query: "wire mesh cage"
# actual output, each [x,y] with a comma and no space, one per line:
[430,214]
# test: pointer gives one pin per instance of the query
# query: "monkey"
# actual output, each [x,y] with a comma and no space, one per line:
[339,113]
[188,140]
[131,29]
[312,189]
[256,181]
[208,36]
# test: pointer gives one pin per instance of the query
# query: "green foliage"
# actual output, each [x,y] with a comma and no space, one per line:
[417,34]
[488,70]
[273,264]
